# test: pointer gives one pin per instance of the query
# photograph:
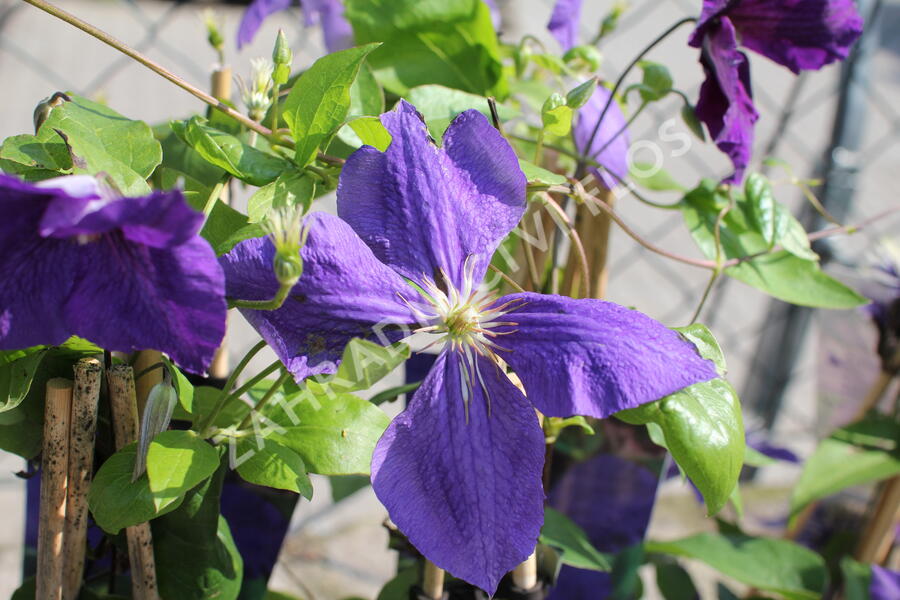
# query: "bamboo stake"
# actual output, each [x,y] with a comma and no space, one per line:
[525,575]
[433,581]
[878,536]
[144,360]
[82,429]
[221,83]
[54,467]
[123,399]
[221,89]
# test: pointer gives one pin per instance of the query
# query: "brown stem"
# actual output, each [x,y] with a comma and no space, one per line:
[54,474]
[572,234]
[82,428]
[878,536]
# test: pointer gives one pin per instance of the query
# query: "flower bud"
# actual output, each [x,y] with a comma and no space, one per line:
[257,95]
[284,226]
[288,268]
[522,57]
[579,95]
[157,413]
[213,35]
[586,58]
[282,56]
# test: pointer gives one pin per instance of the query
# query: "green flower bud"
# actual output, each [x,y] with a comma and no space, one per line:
[288,268]
[522,57]
[157,414]
[579,95]
[213,36]
[586,58]
[282,56]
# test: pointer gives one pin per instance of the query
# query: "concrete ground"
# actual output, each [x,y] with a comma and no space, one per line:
[339,551]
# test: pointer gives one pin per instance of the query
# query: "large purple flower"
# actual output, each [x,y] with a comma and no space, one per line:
[336,31]
[125,273]
[885,584]
[799,34]
[460,470]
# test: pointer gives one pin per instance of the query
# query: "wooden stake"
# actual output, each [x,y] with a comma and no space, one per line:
[433,581]
[144,360]
[525,575]
[54,468]
[878,536]
[221,83]
[123,399]
[82,429]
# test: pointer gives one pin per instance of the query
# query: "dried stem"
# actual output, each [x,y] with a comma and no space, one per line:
[123,399]
[570,231]
[82,429]
[506,278]
[878,536]
[54,473]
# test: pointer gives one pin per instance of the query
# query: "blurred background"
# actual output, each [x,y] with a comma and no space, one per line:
[797,370]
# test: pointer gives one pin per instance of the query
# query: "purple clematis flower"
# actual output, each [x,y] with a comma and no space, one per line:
[799,34]
[460,469]
[336,31]
[609,151]
[885,584]
[125,273]
[564,21]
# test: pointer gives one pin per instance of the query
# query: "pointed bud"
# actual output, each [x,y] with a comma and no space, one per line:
[157,414]
[213,35]
[282,56]
[689,116]
[579,95]
[522,57]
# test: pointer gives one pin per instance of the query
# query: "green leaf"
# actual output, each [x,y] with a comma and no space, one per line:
[363,364]
[430,41]
[439,105]
[103,141]
[761,200]
[333,435]
[702,426]
[35,157]
[653,178]
[366,131]
[229,153]
[755,458]
[391,394]
[291,188]
[576,550]
[399,587]
[205,399]
[115,501]
[657,81]
[273,466]
[857,579]
[343,486]
[17,370]
[772,565]
[183,167]
[539,175]
[225,226]
[366,96]
[707,345]
[556,116]
[196,558]
[319,101]
[840,461]
[183,387]
[176,462]
[674,582]
[780,274]
[689,117]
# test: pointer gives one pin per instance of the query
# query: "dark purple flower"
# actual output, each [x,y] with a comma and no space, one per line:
[125,273]
[799,34]
[564,22]
[610,146]
[329,14]
[460,469]
[885,584]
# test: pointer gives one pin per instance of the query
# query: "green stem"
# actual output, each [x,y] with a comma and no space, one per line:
[214,197]
[253,381]
[539,148]
[273,304]
[265,399]
[224,395]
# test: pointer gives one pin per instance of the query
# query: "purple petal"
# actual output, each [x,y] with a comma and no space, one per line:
[564,22]
[161,220]
[799,34]
[609,151]
[254,16]
[466,494]
[885,584]
[423,209]
[726,98]
[107,287]
[336,30]
[344,293]
[594,358]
